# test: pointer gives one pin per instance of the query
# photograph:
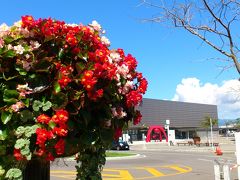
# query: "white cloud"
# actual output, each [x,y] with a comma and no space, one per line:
[226,96]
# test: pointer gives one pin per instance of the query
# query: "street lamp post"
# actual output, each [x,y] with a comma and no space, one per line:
[211,132]
[167,127]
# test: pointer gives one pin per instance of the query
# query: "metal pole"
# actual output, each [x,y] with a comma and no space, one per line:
[168,135]
[237,142]
[211,132]
[167,124]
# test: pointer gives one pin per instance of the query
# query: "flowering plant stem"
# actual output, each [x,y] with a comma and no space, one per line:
[91,161]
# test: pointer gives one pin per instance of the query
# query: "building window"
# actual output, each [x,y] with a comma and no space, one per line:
[191,134]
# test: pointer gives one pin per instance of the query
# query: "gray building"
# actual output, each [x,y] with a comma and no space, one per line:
[185,118]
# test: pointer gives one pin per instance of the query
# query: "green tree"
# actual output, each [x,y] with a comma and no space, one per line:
[206,123]
[237,123]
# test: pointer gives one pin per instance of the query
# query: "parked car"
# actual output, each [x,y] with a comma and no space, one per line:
[120,145]
[230,133]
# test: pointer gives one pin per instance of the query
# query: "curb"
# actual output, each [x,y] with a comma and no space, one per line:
[185,150]
[136,156]
[126,157]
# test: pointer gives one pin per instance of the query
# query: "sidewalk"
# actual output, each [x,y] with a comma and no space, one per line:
[163,146]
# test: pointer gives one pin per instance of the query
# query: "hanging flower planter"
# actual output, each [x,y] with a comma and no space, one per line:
[63,91]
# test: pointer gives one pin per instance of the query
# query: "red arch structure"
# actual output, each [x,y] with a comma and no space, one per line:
[157,129]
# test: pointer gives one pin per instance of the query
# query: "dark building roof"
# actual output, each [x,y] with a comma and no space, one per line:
[180,114]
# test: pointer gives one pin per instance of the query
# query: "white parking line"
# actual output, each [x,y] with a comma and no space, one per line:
[208,160]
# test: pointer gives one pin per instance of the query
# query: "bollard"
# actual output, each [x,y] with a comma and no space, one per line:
[226,172]
[221,170]
[217,172]
[237,142]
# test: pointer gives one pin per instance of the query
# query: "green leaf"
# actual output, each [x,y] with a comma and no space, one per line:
[1,50]
[88,138]
[29,131]
[21,143]
[43,65]
[14,174]
[20,131]
[77,95]
[123,81]
[80,66]
[2,171]
[26,115]
[87,117]
[10,93]
[21,71]
[29,156]
[57,87]
[59,100]
[9,54]
[2,151]
[32,76]
[6,117]
[10,96]
[107,135]
[25,151]
[26,102]
[37,105]
[46,106]
[3,134]
[51,124]
[8,39]
[60,54]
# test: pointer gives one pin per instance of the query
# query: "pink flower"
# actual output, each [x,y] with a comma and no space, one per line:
[16,107]
[4,30]
[19,49]
[105,41]
[126,88]
[115,56]
[96,26]
[35,45]
[123,70]
[23,89]
[118,112]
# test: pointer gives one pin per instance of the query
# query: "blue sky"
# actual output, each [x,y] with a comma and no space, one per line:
[165,56]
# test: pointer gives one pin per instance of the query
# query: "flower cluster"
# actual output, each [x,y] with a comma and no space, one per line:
[65,81]
[58,128]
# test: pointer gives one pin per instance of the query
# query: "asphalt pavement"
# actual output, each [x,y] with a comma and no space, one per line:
[157,160]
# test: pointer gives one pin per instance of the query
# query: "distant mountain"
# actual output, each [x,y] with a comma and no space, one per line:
[223,122]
